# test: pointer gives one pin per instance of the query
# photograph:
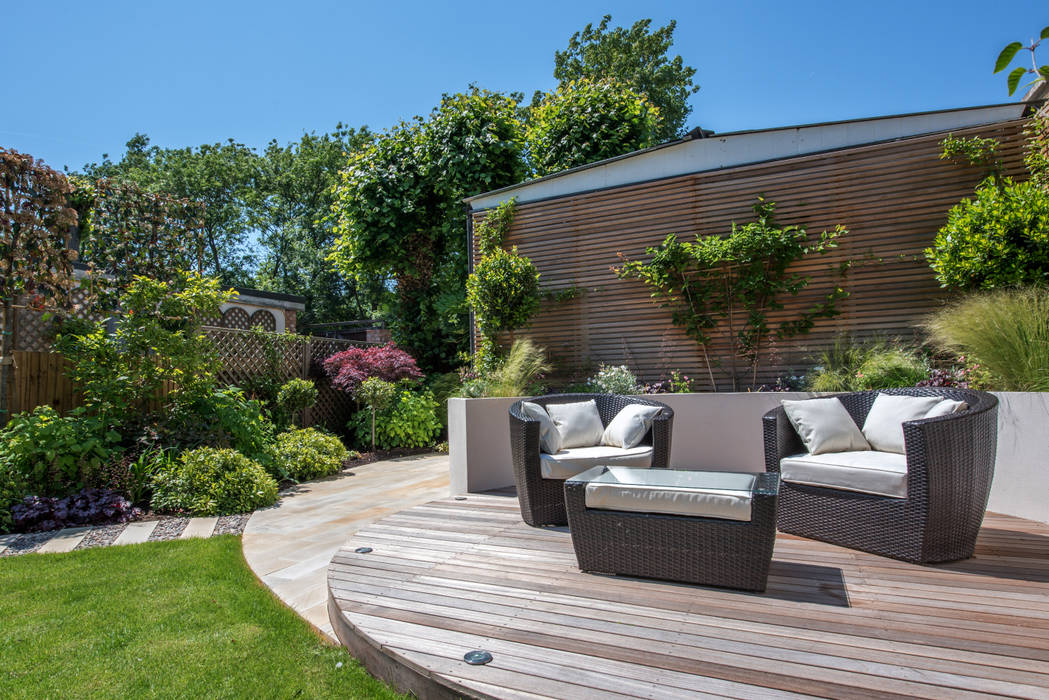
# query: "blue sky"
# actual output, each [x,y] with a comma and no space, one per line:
[87,76]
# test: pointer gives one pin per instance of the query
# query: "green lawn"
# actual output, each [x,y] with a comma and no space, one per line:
[166,619]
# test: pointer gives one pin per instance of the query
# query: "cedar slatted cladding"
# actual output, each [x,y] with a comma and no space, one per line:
[893,197]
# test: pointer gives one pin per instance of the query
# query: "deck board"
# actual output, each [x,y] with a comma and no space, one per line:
[450,576]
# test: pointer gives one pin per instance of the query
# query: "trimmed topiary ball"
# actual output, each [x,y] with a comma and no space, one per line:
[301,455]
[210,481]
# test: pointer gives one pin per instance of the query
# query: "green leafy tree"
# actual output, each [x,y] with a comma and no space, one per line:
[1005,58]
[503,289]
[586,121]
[289,209]
[221,176]
[636,57]
[999,238]
[735,282]
[398,213]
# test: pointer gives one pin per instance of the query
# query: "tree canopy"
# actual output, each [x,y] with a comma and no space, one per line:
[636,57]
[221,176]
[586,121]
[399,213]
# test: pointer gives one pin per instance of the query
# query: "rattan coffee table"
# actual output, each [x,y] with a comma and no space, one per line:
[709,528]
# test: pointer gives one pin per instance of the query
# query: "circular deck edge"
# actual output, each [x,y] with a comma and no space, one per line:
[386,664]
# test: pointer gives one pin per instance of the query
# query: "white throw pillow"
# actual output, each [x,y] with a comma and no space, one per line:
[824,426]
[549,437]
[946,408]
[884,425]
[579,423]
[629,426]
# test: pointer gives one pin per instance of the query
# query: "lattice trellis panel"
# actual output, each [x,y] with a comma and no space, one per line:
[245,355]
[264,319]
[333,408]
[236,317]
[34,334]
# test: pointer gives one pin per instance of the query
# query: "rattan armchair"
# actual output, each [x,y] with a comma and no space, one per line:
[543,500]
[950,464]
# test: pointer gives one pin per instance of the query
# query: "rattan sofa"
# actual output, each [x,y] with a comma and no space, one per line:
[543,500]
[950,464]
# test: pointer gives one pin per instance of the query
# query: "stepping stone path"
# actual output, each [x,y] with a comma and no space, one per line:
[68,539]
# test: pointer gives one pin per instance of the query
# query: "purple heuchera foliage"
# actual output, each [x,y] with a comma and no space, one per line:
[349,368]
[956,378]
[86,507]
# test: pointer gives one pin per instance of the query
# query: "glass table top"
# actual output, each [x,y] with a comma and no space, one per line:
[681,479]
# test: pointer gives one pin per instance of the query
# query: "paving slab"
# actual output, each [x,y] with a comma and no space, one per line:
[289,545]
[199,527]
[136,533]
[64,540]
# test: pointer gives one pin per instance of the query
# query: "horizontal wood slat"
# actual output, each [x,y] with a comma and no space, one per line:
[450,576]
[892,197]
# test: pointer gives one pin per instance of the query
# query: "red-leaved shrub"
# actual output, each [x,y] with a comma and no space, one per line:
[349,368]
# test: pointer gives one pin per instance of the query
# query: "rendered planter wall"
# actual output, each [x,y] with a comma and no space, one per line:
[723,432]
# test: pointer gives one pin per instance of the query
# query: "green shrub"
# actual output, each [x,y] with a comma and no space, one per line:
[57,455]
[293,396]
[225,418]
[1006,332]
[13,489]
[410,422]
[131,474]
[848,365]
[890,368]
[612,379]
[998,239]
[209,481]
[443,387]
[301,455]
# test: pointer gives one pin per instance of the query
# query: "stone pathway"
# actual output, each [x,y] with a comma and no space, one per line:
[290,545]
[69,539]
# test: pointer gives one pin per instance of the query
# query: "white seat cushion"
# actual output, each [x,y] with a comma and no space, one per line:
[824,425]
[865,471]
[884,425]
[729,501]
[567,463]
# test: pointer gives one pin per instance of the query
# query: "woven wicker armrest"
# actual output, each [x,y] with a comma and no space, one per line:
[662,434]
[955,449]
[780,438]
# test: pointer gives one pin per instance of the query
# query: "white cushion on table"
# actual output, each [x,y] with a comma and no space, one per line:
[579,423]
[884,425]
[946,408]
[549,437]
[723,503]
[567,463]
[630,425]
[824,425]
[865,471]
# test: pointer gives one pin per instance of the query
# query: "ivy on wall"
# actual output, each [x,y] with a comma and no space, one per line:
[503,289]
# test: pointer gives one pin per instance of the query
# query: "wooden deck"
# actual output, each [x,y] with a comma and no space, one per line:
[451,576]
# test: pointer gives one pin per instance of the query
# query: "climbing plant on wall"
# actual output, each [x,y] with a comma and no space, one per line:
[734,283]
[36,261]
[503,289]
